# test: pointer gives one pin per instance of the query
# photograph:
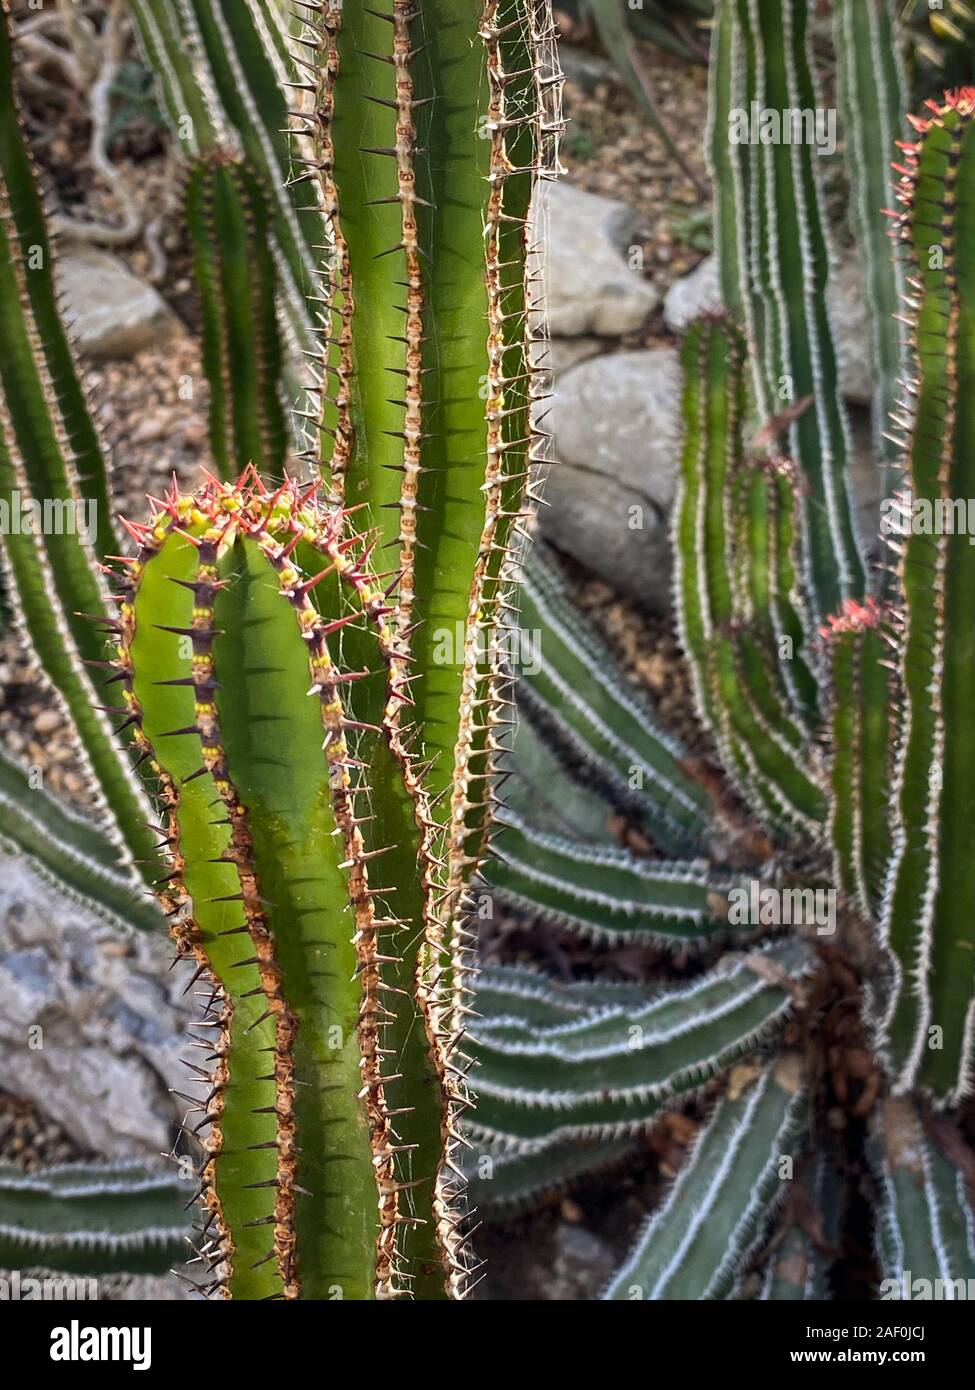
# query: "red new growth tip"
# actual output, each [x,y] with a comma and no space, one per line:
[854,617]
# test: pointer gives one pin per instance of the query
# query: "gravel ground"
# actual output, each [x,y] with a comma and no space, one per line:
[31,1140]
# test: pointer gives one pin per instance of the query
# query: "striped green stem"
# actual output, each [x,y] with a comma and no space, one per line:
[93,1219]
[227,217]
[573,693]
[783,272]
[67,851]
[237,599]
[696,1245]
[607,894]
[733,550]
[928,918]
[861,693]
[605,1072]
[926,1221]
[223,67]
[873,92]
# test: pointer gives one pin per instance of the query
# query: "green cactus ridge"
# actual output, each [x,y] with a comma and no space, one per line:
[873,93]
[227,216]
[425,145]
[928,909]
[696,1244]
[222,68]
[926,1218]
[857,647]
[237,599]
[735,530]
[604,1072]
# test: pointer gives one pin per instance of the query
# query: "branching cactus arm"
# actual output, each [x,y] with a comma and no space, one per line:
[427,149]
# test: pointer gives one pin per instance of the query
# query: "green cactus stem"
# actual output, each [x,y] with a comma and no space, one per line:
[928,919]
[734,537]
[313,1184]
[696,1244]
[926,1218]
[430,126]
[783,271]
[227,217]
[873,93]
[222,68]
[93,1218]
[608,1070]
[862,698]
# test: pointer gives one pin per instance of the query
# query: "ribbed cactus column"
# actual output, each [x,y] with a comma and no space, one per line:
[221,67]
[431,123]
[874,94]
[740,615]
[862,700]
[424,126]
[237,603]
[228,221]
[777,231]
[928,918]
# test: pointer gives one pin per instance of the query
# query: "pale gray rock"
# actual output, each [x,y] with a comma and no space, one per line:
[581,1266]
[110,312]
[110,1013]
[562,354]
[616,425]
[850,316]
[693,295]
[590,288]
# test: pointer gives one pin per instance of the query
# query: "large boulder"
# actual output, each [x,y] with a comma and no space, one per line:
[616,425]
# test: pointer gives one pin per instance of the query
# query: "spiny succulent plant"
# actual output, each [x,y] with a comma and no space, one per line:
[320,739]
[233,262]
[332,999]
[221,69]
[835,693]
